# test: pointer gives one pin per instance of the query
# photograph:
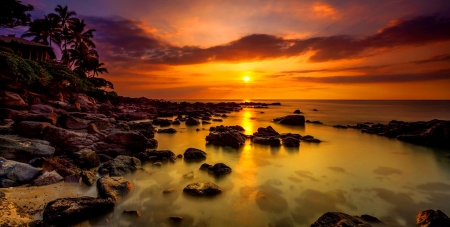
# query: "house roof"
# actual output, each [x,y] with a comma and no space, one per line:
[9,39]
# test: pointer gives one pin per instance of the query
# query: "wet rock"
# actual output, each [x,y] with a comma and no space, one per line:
[159,164]
[206,122]
[109,149]
[120,165]
[176,218]
[217,119]
[12,100]
[314,122]
[202,189]
[113,187]
[72,179]
[310,139]
[370,218]
[61,165]
[145,128]
[136,142]
[338,219]
[340,126]
[50,118]
[167,130]
[291,120]
[86,103]
[297,112]
[192,121]
[179,156]
[226,136]
[70,122]
[13,215]
[176,122]
[6,113]
[23,149]
[68,211]
[41,109]
[92,129]
[152,155]
[169,190]
[193,154]
[86,158]
[88,177]
[218,169]
[205,166]
[152,143]
[32,129]
[269,140]
[47,178]
[162,122]
[14,173]
[432,218]
[135,213]
[291,142]
[268,131]
[294,135]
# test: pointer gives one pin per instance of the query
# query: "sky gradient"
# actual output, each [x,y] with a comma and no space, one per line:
[331,49]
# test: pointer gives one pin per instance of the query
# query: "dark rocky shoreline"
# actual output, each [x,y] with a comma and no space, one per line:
[76,138]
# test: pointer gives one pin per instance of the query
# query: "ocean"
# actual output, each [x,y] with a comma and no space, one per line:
[350,171]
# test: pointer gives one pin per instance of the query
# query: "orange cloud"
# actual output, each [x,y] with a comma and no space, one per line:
[323,10]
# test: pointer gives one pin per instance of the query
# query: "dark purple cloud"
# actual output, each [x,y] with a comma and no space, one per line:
[443,74]
[358,68]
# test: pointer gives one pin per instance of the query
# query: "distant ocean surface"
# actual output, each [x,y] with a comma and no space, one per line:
[358,111]
[350,171]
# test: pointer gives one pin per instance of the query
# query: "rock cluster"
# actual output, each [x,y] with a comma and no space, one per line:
[434,133]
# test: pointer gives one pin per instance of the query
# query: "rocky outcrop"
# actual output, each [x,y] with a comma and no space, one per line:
[32,129]
[70,141]
[113,188]
[291,142]
[70,122]
[434,133]
[47,178]
[167,130]
[338,219]
[23,149]
[432,218]
[86,103]
[291,120]
[268,131]
[268,140]
[156,155]
[14,173]
[193,154]
[134,141]
[62,166]
[119,166]
[69,211]
[88,177]
[231,136]
[192,121]
[12,100]
[217,169]
[86,158]
[152,143]
[202,189]
[145,128]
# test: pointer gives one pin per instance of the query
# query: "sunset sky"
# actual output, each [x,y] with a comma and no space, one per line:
[287,49]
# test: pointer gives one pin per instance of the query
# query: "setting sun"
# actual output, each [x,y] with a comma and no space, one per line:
[246,78]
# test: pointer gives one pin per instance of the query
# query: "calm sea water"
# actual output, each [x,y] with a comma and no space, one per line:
[349,171]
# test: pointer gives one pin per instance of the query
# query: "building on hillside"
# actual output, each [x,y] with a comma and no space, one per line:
[27,49]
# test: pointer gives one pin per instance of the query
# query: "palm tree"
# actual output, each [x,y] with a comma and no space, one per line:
[65,18]
[78,36]
[95,66]
[44,31]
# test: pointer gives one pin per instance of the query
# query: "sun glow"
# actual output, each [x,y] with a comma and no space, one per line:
[246,78]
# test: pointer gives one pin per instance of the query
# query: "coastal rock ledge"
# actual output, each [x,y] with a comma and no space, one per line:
[66,211]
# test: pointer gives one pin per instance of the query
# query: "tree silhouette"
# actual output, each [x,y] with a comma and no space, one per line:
[13,13]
